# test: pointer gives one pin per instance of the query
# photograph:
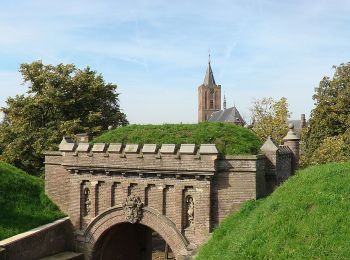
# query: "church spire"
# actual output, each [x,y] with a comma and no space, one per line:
[224,105]
[209,77]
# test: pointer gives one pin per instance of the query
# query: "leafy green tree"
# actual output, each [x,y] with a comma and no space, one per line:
[270,118]
[332,149]
[61,100]
[331,115]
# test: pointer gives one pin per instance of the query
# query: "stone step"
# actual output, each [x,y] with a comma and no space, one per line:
[65,256]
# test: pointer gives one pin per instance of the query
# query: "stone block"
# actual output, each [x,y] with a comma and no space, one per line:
[208,149]
[99,148]
[149,148]
[187,149]
[83,147]
[115,148]
[168,148]
[131,148]
[67,147]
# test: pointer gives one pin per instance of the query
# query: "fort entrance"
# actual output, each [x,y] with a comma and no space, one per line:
[127,201]
[131,241]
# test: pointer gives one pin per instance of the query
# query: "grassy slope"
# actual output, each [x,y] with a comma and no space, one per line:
[23,203]
[230,139]
[308,217]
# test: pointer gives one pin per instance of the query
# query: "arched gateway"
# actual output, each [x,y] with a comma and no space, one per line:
[149,218]
[118,196]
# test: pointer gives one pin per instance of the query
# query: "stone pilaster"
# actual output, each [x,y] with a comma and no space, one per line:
[293,142]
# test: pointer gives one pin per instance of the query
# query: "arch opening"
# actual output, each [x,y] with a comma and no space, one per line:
[126,241]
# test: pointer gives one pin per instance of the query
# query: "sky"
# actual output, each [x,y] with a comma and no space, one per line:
[157,51]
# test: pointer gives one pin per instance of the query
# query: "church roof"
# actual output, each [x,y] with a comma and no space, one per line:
[209,77]
[230,115]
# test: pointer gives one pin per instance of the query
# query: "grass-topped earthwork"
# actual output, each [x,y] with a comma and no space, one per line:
[23,203]
[306,218]
[229,139]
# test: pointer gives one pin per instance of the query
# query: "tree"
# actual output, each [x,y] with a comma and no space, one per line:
[331,115]
[270,118]
[61,100]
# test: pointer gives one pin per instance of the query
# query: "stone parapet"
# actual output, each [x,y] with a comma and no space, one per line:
[167,158]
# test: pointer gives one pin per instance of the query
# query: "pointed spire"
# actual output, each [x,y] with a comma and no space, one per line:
[209,77]
[224,105]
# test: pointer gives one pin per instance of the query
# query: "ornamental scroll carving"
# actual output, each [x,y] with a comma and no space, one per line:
[133,209]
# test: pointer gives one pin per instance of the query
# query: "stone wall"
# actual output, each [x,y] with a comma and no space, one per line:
[40,242]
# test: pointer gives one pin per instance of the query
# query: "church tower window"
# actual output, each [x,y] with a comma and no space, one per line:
[211,105]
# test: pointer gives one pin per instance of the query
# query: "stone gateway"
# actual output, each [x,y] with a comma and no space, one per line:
[119,196]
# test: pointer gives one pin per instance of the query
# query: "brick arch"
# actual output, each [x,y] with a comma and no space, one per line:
[151,218]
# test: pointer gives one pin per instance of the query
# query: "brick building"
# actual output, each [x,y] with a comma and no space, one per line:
[209,102]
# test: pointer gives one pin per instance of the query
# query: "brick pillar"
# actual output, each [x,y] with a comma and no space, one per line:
[178,206]
[293,142]
[142,189]
[94,198]
[160,199]
[202,212]
[109,194]
[75,200]
[124,194]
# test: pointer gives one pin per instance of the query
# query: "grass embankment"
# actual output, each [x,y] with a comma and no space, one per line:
[229,139]
[308,217]
[23,203]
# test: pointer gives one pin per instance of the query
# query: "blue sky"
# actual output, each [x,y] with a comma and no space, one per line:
[157,51]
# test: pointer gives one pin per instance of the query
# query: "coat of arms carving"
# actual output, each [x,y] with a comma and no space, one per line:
[133,209]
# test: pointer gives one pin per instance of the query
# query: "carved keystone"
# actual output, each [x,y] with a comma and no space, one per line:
[133,209]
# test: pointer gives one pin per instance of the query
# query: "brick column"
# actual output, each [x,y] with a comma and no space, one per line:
[109,194]
[202,212]
[141,192]
[178,206]
[125,188]
[75,197]
[160,198]
[94,198]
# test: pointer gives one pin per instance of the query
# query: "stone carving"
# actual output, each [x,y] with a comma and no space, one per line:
[190,210]
[87,202]
[133,209]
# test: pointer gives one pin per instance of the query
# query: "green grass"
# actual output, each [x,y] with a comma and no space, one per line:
[23,203]
[308,217]
[229,139]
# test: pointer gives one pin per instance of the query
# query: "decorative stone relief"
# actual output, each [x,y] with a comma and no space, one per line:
[87,202]
[190,210]
[133,209]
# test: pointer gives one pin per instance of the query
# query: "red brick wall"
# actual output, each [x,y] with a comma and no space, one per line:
[162,181]
[40,242]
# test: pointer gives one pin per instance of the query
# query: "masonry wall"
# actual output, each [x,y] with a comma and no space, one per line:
[278,168]
[57,180]
[38,243]
[239,179]
[86,180]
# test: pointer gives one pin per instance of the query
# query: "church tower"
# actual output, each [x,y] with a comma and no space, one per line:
[209,96]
